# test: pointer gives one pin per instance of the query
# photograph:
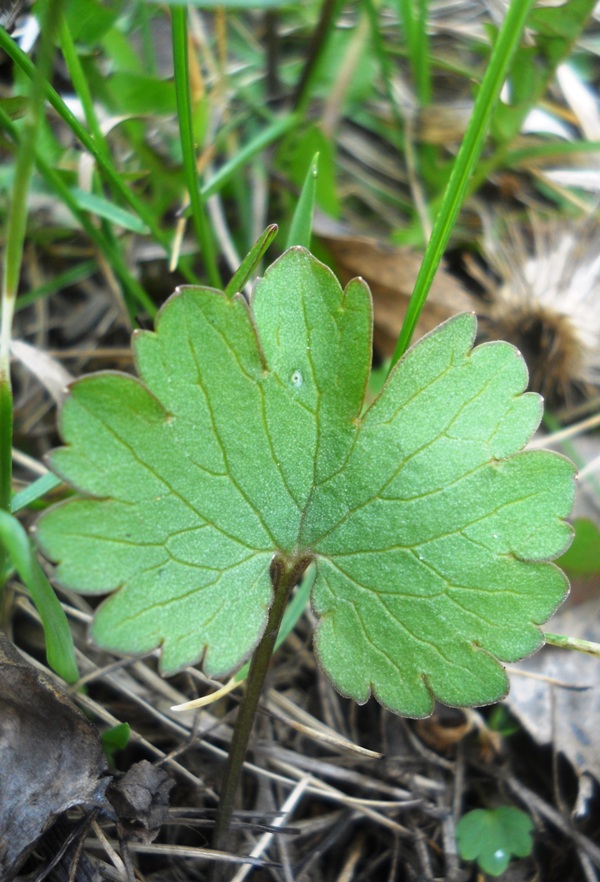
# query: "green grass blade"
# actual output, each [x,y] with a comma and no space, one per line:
[14,241]
[70,276]
[508,40]
[414,21]
[251,261]
[228,4]
[385,62]
[88,142]
[101,207]
[407,152]
[301,227]
[315,52]
[80,84]
[34,491]
[246,153]
[6,430]
[551,150]
[553,33]
[422,65]
[184,114]
[59,642]
[96,235]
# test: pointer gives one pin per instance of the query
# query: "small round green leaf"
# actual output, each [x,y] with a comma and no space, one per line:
[245,437]
[493,836]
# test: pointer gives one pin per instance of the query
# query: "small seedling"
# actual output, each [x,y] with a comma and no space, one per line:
[493,836]
[114,739]
[244,453]
[502,721]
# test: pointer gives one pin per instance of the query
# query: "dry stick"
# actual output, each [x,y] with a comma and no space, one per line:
[424,858]
[174,851]
[364,806]
[325,769]
[265,840]
[356,852]
[309,726]
[285,575]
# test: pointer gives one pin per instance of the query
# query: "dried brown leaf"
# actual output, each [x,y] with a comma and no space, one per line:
[50,757]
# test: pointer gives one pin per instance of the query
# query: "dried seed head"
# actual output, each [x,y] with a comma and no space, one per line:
[547,302]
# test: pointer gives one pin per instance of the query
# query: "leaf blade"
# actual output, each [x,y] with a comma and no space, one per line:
[246,437]
[449,520]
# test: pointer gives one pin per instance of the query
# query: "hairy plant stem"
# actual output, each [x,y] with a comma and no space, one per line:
[285,575]
[563,641]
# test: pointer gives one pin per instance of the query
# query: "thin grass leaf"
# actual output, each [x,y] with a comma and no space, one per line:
[59,642]
[417,205]
[110,173]
[227,4]
[14,243]
[385,63]
[186,133]
[71,276]
[6,432]
[251,261]
[466,160]
[301,227]
[417,39]
[109,248]
[563,641]
[246,153]
[80,83]
[101,207]
[315,53]
[36,490]
[553,31]
[549,151]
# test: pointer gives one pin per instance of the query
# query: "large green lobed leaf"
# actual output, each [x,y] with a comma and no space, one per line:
[246,436]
